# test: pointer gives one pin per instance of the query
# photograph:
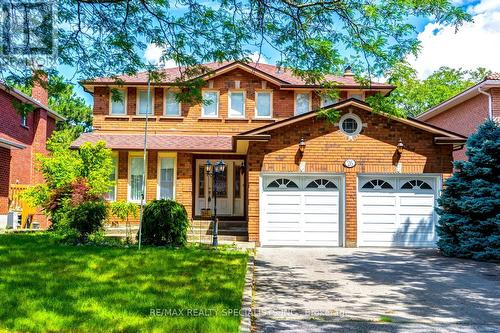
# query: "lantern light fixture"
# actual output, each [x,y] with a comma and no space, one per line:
[302,145]
[400,146]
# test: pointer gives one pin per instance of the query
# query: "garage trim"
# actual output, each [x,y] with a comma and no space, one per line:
[341,189]
[436,179]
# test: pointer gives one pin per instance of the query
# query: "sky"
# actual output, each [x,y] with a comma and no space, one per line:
[475,44]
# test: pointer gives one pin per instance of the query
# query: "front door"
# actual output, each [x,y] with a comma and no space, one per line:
[229,189]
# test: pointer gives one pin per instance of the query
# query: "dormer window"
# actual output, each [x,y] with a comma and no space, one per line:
[328,100]
[118,102]
[172,106]
[143,107]
[358,95]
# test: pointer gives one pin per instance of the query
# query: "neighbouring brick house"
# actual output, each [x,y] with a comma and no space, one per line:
[291,177]
[21,138]
[467,110]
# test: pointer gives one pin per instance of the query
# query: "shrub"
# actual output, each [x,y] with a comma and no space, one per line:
[165,222]
[469,222]
[88,217]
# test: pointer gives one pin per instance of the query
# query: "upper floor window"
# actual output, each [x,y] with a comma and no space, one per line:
[172,105]
[143,107]
[236,104]
[118,102]
[328,100]
[263,102]
[210,106]
[302,103]
[24,121]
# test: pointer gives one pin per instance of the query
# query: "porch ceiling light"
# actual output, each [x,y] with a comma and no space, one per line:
[302,145]
[400,146]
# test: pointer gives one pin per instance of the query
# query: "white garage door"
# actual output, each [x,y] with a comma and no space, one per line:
[299,210]
[397,211]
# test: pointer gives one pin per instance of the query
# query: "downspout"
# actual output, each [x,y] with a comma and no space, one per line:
[490,111]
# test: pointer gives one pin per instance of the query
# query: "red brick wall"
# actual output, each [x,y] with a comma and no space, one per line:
[495,94]
[283,107]
[464,118]
[326,150]
[4,179]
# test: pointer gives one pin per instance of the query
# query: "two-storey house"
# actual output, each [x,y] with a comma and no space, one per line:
[21,139]
[291,177]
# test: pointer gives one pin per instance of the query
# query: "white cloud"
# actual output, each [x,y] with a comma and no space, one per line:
[256,57]
[153,54]
[476,44]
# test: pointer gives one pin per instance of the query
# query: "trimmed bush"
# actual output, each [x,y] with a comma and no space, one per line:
[88,218]
[165,222]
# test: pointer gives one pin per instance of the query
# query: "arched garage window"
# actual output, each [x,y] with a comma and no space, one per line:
[282,183]
[321,183]
[377,184]
[416,185]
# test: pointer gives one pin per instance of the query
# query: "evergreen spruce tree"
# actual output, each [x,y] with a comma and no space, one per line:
[469,208]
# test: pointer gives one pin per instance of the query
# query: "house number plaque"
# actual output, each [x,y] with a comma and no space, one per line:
[349,163]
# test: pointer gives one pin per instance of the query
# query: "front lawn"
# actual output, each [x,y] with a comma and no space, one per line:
[48,287]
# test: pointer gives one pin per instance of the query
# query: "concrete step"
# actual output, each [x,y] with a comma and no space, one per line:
[208,238]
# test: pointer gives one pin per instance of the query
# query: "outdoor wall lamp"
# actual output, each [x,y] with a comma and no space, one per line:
[214,171]
[302,145]
[400,146]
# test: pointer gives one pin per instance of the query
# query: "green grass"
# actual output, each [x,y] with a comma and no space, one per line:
[49,287]
[385,319]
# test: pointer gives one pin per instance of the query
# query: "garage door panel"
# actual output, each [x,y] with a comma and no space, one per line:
[379,218]
[304,216]
[416,200]
[321,218]
[378,200]
[404,217]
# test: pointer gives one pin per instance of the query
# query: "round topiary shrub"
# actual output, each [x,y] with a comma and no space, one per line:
[165,222]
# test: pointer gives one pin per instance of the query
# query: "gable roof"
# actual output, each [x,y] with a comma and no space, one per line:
[445,135]
[490,81]
[29,100]
[279,76]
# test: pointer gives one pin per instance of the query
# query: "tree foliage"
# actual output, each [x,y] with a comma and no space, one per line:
[469,223]
[313,37]
[414,96]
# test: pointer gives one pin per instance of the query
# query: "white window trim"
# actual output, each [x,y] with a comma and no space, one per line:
[124,102]
[203,105]
[117,156]
[356,118]
[243,116]
[179,113]
[138,100]
[130,156]
[160,156]
[267,91]
[297,92]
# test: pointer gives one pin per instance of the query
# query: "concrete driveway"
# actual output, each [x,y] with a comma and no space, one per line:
[373,290]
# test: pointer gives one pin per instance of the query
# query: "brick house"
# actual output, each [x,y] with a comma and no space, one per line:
[467,110]
[21,138]
[291,177]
